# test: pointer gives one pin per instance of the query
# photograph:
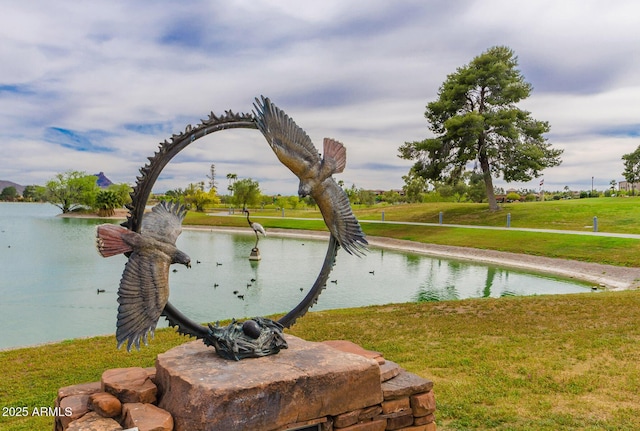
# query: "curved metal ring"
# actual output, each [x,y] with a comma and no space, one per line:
[144,184]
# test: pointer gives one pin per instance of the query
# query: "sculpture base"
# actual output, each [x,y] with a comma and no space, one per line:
[255,254]
[329,386]
[306,382]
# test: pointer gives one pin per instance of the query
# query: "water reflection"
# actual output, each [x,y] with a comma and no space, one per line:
[450,280]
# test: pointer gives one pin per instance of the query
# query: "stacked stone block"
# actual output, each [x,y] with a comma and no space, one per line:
[125,398]
[409,403]
[323,388]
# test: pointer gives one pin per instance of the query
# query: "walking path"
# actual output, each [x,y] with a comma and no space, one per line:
[524,229]
[467,226]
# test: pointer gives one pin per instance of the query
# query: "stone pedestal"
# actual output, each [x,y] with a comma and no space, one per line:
[301,384]
[255,254]
[329,386]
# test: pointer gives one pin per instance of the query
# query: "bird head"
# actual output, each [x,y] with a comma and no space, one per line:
[183,258]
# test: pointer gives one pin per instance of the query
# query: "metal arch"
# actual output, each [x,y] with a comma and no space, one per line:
[168,150]
[141,191]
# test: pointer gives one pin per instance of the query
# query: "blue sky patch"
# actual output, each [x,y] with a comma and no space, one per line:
[183,34]
[379,166]
[78,141]
[323,96]
[15,89]
[626,130]
[149,128]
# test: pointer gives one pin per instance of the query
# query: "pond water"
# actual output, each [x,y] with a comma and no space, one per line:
[51,272]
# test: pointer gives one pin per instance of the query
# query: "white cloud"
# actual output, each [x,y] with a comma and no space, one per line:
[361,72]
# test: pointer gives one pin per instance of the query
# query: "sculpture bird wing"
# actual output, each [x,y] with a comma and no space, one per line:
[143,293]
[336,211]
[292,145]
[144,286]
[164,222]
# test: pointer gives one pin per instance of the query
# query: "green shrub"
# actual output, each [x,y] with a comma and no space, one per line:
[513,196]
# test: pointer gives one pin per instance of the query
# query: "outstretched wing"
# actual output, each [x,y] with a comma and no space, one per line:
[336,211]
[164,222]
[143,293]
[290,143]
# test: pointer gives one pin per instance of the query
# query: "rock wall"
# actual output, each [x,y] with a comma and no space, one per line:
[124,398]
[335,385]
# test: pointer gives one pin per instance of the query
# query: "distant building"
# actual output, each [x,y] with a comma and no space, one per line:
[381,192]
[627,186]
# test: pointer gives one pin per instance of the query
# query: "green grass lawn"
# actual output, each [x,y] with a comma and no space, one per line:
[564,362]
[614,214]
[555,362]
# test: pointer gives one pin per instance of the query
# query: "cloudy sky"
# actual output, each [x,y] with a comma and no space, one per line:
[95,86]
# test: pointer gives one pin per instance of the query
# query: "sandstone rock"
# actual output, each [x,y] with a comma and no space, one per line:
[129,385]
[146,417]
[398,420]
[81,389]
[394,406]
[389,370]
[424,420]
[377,425]
[430,427]
[423,404]
[307,381]
[92,421]
[405,384]
[324,424]
[151,373]
[105,404]
[346,419]
[350,347]
[76,404]
[369,413]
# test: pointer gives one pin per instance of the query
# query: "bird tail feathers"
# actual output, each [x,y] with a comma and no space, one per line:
[109,240]
[336,153]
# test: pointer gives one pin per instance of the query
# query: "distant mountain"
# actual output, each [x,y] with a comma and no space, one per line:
[18,187]
[103,181]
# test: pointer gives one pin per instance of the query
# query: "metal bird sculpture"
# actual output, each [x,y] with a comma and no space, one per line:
[257,227]
[144,287]
[294,149]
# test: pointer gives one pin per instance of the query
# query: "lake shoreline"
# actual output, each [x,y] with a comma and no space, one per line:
[610,277]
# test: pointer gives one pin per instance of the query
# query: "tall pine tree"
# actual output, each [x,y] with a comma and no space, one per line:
[475,120]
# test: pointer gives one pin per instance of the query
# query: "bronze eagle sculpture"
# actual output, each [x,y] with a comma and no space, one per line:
[294,149]
[144,287]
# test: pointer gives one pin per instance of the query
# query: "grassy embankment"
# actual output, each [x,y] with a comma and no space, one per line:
[618,215]
[561,362]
